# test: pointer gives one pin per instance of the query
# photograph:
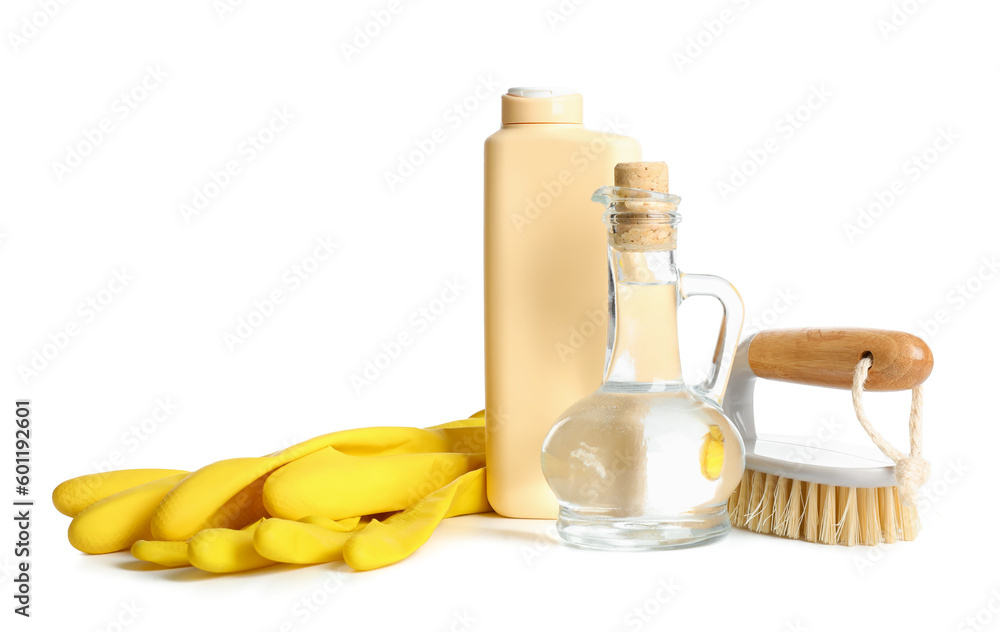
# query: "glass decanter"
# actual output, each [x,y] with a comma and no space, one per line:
[648,461]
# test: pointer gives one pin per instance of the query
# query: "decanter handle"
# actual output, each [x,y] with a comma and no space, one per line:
[714,386]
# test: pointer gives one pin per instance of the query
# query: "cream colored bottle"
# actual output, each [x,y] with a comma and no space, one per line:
[546,282]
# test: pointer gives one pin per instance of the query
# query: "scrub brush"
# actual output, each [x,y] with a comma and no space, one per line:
[831,493]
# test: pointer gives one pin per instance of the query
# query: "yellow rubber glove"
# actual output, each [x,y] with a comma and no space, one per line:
[336,485]
[135,497]
[162,552]
[197,503]
[73,496]
[76,494]
[118,521]
[277,543]
[226,550]
[383,543]
[317,539]
[314,540]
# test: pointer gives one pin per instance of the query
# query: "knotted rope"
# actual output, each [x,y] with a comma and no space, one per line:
[912,470]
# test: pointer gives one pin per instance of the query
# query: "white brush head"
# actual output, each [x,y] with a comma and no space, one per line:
[832,463]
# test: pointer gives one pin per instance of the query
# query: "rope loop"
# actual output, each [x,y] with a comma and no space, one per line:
[912,470]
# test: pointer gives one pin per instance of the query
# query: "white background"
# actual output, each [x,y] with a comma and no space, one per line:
[700,84]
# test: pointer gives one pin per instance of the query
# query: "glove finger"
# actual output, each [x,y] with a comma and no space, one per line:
[226,550]
[332,484]
[73,496]
[383,543]
[118,521]
[164,553]
[298,542]
[196,504]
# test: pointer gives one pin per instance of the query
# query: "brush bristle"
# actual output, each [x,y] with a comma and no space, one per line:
[828,514]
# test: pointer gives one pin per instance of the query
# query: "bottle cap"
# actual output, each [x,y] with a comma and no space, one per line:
[541,105]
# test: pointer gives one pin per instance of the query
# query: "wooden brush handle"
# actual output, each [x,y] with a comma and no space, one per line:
[827,357]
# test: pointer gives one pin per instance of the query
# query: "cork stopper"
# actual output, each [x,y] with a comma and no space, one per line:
[649,176]
[638,224]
